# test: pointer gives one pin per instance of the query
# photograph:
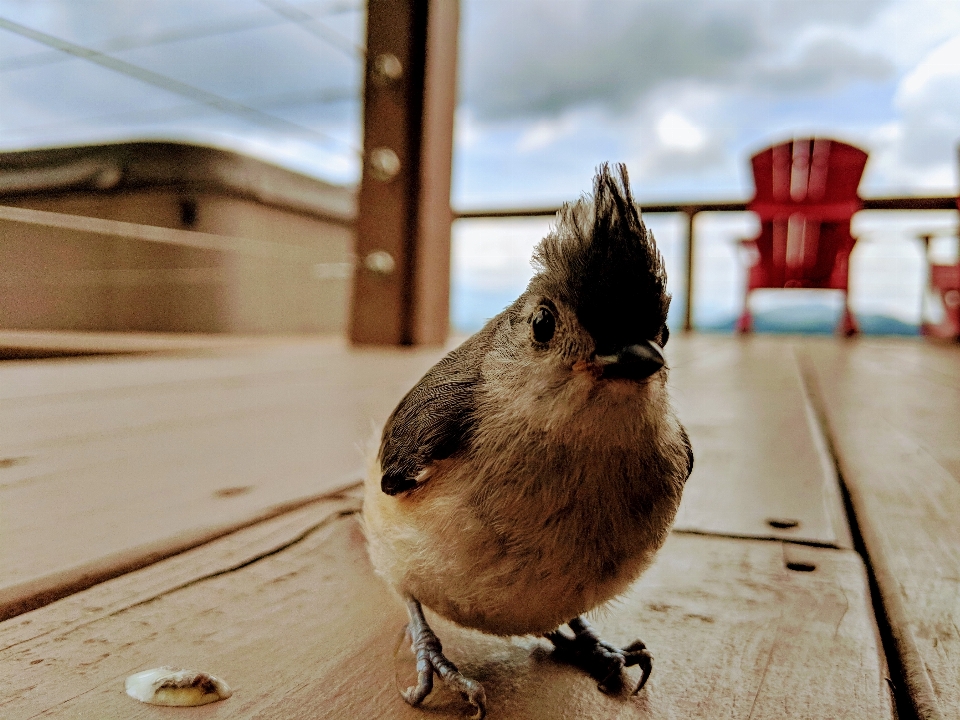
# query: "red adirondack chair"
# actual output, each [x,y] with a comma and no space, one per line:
[945,284]
[945,281]
[806,195]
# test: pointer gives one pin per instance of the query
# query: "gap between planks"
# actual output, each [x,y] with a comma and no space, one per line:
[899,501]
[38,592]
[761,459]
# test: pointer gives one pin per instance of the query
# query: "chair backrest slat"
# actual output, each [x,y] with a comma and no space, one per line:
[806,194]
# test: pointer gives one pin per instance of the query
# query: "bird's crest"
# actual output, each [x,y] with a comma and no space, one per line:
[601,260]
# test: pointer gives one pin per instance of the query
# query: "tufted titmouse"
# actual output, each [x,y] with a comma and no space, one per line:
[532,473]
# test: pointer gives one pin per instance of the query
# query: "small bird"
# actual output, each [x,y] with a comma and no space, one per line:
[532,474]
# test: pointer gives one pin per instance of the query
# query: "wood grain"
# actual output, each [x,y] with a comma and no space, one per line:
[109,458]
[290,614]
[893,410]
[103,460]
[760,455]
[39,344]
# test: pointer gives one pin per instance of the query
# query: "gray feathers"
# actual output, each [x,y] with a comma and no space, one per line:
[435,419]
[601,260]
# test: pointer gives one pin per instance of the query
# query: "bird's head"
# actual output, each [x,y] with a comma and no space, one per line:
[598,301]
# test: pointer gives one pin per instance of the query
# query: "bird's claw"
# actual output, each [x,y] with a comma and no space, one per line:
[636,653]
[430,659]
[603,661]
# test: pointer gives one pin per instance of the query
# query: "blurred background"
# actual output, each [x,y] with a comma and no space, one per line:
[684,93]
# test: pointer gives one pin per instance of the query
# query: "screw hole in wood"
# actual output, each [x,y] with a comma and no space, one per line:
[783,523]
[233,491]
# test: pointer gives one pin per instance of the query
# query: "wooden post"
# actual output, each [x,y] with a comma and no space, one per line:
[925,238]
[689,214]
[402,279]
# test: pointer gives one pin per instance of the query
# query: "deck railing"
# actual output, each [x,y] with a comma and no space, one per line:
[691,209]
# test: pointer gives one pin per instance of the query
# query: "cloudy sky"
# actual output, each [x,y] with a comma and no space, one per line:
[276,79]
[683,92]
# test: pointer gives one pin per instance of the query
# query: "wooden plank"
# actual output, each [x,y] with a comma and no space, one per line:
[401,284]
[290,614]
[431,282]
[56,403]
[148,452]
[29,381]
[35,344]
[141,465]
[759,452]
[893,410]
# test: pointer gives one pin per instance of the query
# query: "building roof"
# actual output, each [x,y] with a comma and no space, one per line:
[161,164]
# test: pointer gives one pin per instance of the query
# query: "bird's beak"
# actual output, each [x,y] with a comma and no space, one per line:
[634,362]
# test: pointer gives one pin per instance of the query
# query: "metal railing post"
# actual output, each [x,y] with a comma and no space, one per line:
[690,213]
[401,281]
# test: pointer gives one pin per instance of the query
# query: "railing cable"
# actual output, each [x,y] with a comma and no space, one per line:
[315,27]
[163,82]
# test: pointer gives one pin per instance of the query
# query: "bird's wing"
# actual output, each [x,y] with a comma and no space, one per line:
[435,419]
[685,439]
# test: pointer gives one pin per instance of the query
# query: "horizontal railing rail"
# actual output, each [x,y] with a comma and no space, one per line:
[692,209]
[884,203]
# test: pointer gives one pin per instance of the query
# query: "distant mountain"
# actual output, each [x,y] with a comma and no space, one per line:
[811,320]
[472,307]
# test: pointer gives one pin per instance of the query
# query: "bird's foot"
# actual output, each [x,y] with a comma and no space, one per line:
[430,659]
[600,659]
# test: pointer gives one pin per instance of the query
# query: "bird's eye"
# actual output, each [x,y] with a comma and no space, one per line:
[544,325]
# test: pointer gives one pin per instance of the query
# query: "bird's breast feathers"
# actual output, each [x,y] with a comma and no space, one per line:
[554,517]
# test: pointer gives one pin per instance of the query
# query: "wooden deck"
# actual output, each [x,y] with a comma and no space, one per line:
[195,505]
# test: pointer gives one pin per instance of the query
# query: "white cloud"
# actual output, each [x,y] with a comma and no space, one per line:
[905,30]
[820,60]
[678,133]
[917,151]
[942,65]
[467,132]
[540,58]
[545,133]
